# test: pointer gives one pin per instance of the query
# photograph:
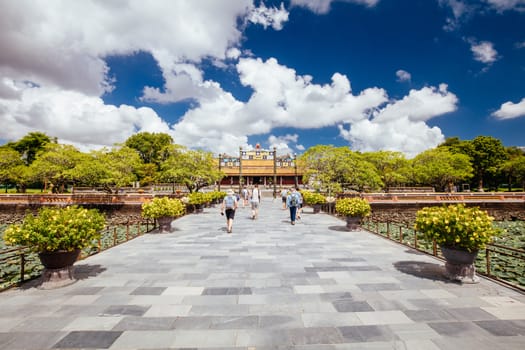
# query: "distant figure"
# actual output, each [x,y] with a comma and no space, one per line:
[255,200]
[292,202]
[300,206]
[229,205]
[245,196]
[284,194]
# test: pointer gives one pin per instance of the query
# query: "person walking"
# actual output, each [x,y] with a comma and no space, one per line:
[228,206]
[300,206]
[292,202]
[255,200]
[284,194]
[245,196]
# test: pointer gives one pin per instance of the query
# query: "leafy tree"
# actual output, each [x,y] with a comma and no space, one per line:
[54,164]
[487,154]
[441,168]
[152,147]
[29,145]
[514,167]
[108,168]
[9,161]
[194,169]
[332,169]
[393,167]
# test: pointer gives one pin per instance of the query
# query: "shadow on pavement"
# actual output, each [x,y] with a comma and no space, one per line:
[422,270]
[83,272]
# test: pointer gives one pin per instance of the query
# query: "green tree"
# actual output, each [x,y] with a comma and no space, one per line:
[53,165]
[193,168]
[9,161]
[29,145]
[111,169]
[514,167]
[441,168]
[487,154]
[393,167]
[152,147]
[335,168]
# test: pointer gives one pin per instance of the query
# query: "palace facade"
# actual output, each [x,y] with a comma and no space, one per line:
[259,166]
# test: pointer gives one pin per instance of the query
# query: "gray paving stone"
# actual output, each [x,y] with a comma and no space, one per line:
[358,334]
[268,285]
[135,323]
[351,306]
[126,310]
[29,340]
[88,339]
[503,327]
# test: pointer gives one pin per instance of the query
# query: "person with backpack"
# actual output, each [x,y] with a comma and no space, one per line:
[292,202]
[228,206]
[300,205]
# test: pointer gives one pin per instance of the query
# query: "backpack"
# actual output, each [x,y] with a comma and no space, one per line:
[229,202]
[293,200]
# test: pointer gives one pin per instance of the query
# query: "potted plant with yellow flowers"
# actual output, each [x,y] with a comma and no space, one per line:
[354,210]
[314,199]
[57,234]
[460,232]
[164,210]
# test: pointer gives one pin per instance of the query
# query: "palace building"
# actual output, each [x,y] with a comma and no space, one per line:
[259,166]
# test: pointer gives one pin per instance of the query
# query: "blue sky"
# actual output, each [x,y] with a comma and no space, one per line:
[370,74]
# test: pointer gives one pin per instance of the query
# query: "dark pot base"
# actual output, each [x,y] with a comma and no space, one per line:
[353,223]
[459,265]
[58,268]
[56,278]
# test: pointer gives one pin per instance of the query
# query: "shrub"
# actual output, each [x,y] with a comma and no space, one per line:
[313,198]
[353,207]
[163,207]
[457,226]
[67,228]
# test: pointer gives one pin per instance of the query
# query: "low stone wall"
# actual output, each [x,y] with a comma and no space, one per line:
[115,213]
[406,212]
[118,213]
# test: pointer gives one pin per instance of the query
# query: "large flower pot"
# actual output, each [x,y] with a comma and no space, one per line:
[165,223]
[317,208]
[58,268]
[353,222]
[459,265]
[199,208]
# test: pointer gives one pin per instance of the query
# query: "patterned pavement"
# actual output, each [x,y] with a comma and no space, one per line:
[268,285]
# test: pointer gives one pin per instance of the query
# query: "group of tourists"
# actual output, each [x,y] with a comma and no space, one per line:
[291,199]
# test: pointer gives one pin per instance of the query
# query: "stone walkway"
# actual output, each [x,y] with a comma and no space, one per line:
[268,285]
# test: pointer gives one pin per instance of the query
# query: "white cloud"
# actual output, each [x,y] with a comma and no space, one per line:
[505,5]
[460,11]
[520,45]
[403,75]
[280,98]
[509,110]
[53,73]
[323,6]
[281,143]
[400,125]
[484,52]
[74,118]
[463,10]
[71,45]
[274,17]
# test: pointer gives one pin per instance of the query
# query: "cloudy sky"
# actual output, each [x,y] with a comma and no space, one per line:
[370,74]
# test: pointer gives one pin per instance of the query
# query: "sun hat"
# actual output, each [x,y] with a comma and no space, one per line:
[229,192]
